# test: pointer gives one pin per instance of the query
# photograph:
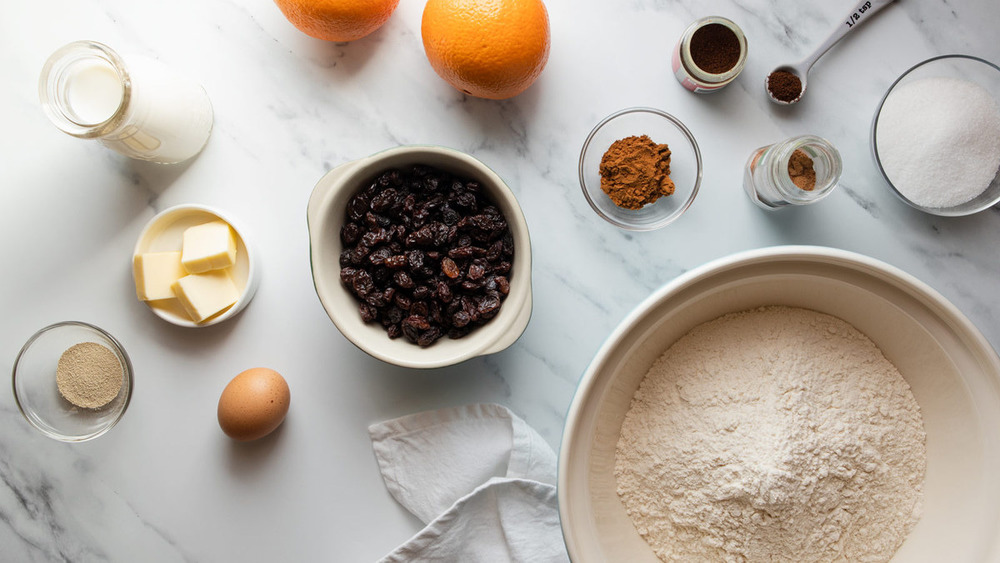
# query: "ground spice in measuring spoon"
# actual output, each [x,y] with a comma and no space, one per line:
[635,171]
[89,375]
[802,171]
[715,49]
[784,85]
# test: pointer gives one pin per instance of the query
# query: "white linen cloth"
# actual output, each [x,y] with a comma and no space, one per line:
[479,477]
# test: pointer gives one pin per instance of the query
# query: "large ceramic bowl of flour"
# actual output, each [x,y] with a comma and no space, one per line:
[951,369]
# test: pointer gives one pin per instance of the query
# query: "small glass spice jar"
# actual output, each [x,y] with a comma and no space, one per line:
[769,182]
[143,110]
[718,45]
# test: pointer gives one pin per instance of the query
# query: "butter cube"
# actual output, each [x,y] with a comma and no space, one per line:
[155,274]
[205,295]
[209,246]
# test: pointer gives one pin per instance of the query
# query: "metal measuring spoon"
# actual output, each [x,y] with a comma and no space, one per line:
[860,13]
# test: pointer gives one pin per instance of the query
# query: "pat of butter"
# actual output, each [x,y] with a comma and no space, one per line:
[205,295]
[209,246]
[155,274]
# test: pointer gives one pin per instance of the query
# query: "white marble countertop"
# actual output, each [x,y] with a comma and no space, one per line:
[166,484]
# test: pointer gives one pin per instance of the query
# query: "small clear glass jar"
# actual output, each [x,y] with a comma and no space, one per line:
[769,184]
[142,110]
[689,74]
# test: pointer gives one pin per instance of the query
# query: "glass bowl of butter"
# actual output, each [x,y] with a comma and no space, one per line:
[193,266]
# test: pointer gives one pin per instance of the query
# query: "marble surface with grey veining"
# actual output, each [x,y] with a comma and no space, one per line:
[166,484]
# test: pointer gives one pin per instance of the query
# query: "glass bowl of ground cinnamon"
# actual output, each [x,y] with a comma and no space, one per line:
[72,381]
[640,168]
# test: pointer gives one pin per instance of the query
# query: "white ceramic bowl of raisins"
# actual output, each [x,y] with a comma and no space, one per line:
[420,255]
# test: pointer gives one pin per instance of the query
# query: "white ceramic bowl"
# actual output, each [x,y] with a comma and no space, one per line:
[326,212]
[951,368]
[164,232]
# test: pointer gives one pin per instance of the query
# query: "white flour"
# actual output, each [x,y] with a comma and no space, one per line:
[777,434]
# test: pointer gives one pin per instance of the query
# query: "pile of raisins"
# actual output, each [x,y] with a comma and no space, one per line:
[426,253]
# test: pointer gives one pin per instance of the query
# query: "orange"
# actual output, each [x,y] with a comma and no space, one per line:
[487,48]
[337,20]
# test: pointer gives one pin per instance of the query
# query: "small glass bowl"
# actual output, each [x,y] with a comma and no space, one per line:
[963,67]
[685,167]
[36,393]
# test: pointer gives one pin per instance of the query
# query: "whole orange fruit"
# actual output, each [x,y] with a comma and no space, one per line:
[487,48]
[337,20]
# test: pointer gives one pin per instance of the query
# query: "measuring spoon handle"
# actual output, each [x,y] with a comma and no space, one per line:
[864,10]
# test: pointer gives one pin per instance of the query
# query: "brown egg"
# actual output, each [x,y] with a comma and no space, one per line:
[253,404]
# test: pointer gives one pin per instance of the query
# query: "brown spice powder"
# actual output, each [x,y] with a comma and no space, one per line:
[801,171]
[715,49]
[635,171]
[784,85]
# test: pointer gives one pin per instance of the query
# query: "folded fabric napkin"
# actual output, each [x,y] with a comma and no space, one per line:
[479,477]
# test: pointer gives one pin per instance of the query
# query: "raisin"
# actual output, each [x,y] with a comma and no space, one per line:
[368,313]
[350,233]
[450,269]
[415,258]
[379,256]
[503,285]
[384,200]
[357,207]
[460,319]
[476,271]
[403,280]
[428,337]
[444,292]
[395,262]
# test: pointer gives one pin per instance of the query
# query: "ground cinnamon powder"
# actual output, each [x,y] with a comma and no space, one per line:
[635,171]
[801,171]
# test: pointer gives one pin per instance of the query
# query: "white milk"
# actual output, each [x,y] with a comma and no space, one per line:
[168,119]
[94,91]
[139,108]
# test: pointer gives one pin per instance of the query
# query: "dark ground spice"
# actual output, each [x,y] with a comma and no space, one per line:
[784,85]
[715,49]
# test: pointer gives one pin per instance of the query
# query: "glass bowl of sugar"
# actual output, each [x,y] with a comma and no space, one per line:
[935,136]
[72,381]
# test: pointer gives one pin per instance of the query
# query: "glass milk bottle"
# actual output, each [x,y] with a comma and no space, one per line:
[142,109]
[769,182]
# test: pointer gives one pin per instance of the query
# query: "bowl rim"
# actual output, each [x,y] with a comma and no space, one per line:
[126,367]
[325,191]
[845,258]
[873,130]
[253,278]
[663,222]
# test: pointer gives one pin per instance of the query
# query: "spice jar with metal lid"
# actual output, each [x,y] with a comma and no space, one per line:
[798,171]
[710,54]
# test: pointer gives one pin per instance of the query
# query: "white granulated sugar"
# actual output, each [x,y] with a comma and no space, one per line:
[777,434]
[939,141]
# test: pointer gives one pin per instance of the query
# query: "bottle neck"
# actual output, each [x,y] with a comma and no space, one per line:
[85,89]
